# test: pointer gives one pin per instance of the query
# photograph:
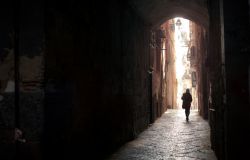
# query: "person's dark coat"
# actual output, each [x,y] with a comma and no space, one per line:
[187,99]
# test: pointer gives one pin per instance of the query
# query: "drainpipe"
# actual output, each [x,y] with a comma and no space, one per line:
[223,67]
[16,7]
[16,61]
[150,77]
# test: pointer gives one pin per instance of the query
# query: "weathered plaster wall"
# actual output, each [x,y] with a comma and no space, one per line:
[215,81]
[237,60]
[97,83]
[197,60]
[228,62]
[169,82]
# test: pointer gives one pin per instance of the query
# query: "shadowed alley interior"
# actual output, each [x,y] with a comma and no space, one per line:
[170,137]
[83,78]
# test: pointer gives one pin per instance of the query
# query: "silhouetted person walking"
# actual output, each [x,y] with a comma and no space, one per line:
[186,104]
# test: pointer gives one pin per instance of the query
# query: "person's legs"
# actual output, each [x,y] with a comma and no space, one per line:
[187,112]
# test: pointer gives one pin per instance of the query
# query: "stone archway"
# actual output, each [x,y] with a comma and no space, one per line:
[157,12]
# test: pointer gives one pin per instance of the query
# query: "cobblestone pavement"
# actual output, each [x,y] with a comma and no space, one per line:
[171,138]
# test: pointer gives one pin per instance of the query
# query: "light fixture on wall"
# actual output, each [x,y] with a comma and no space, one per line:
[178,23]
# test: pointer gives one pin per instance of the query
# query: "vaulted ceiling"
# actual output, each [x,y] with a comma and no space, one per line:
[158,11]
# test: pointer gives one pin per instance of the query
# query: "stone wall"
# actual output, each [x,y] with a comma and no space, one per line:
[215,81]
[98,81]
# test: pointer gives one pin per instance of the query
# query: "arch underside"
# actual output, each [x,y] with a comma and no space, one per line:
[159,11]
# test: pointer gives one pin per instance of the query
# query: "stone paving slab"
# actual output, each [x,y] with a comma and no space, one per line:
[171,138]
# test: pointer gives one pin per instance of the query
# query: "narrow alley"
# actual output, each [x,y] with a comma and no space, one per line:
[81,79]
[170,137]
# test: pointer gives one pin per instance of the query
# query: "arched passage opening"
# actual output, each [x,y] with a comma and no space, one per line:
[178,60]
[161,18]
